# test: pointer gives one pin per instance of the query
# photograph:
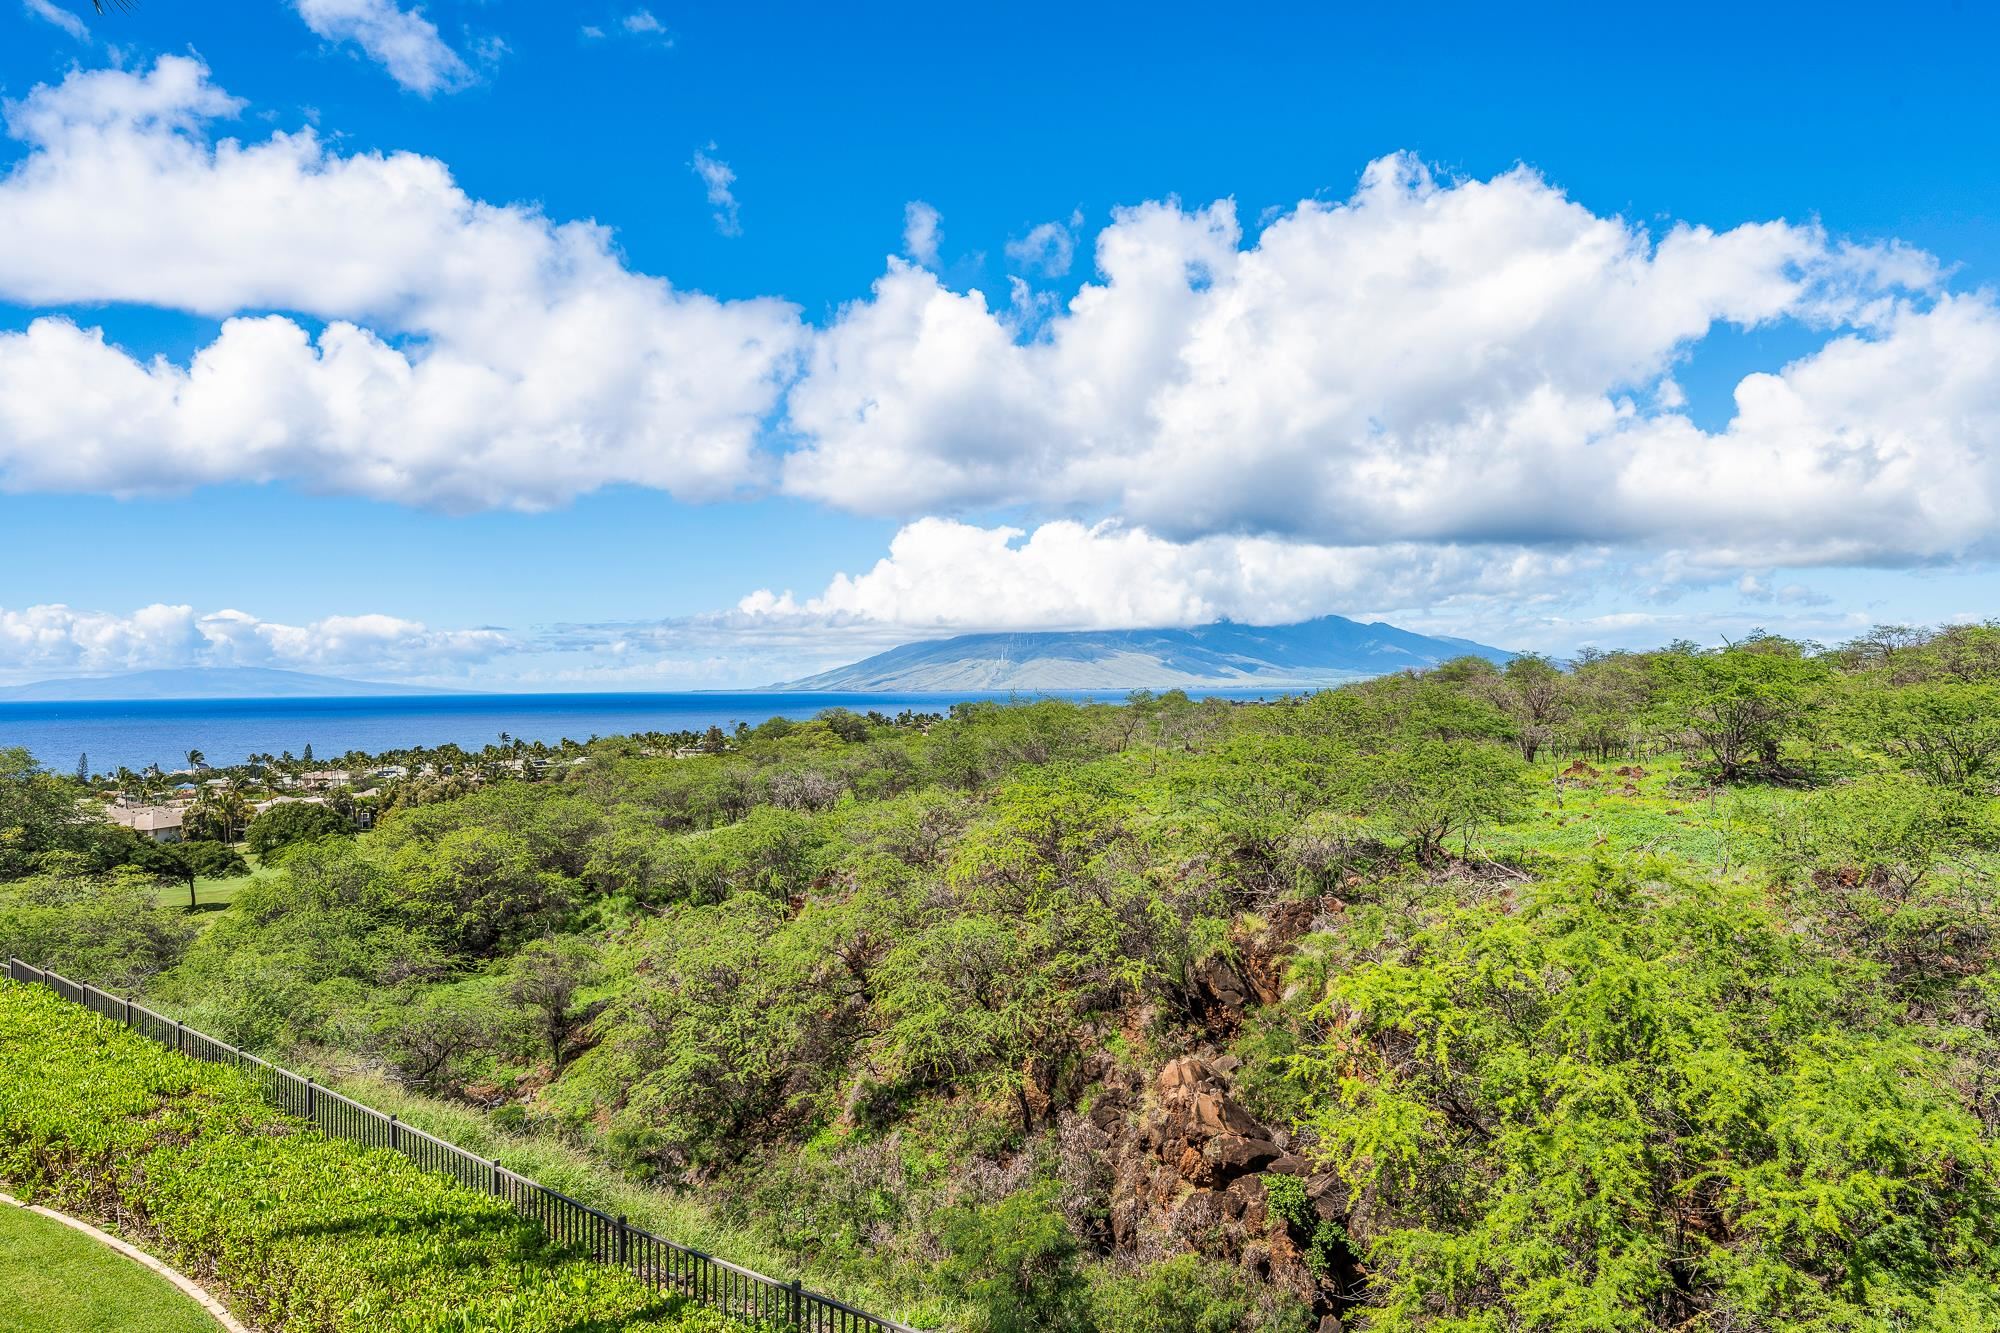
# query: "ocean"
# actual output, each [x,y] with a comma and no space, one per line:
[133,734]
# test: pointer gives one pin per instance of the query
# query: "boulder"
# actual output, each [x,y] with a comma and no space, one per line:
[1248,1202]
[1195,1168]
[1234,1154]
[1217,1113]
[1200,1216]
[1125,1217]
[1186,1072]
[1327,1193]
[1223,986]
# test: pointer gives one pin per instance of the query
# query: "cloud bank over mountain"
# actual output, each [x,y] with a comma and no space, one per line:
[59,640]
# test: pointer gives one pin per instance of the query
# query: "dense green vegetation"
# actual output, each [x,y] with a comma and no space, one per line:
[296,1230]
[1651,991]
[57,1277]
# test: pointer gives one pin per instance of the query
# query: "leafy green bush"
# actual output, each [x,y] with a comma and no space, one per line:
[1639,1101]
[108,927]
[1886,830]
[1433,791]
[1320,1240]
[300,1232]
[1017,1262]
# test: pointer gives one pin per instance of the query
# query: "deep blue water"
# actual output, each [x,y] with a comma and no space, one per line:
[162,731]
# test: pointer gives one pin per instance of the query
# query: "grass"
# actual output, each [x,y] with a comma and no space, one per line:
[578,1172]
[1652,807]
[53,1277]
[212,895]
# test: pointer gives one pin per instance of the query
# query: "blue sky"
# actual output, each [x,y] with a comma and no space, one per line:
[1401,400]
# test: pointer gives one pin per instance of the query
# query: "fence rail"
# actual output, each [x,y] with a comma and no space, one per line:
[660,1263]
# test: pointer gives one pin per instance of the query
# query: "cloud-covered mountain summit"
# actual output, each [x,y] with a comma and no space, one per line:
[1323,651]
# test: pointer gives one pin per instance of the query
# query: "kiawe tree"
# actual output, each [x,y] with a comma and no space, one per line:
[294,822]
[1434,791]
[1740,708]
[188,862]
[1946,732]
[1535,694]
[1632,1100]
[544,981]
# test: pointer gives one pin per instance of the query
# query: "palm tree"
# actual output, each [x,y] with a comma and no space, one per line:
[196,760]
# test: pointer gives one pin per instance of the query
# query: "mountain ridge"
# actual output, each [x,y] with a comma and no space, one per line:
[1224,654]
[204,683]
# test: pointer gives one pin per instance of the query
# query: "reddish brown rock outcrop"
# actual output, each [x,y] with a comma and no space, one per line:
[1180,1163]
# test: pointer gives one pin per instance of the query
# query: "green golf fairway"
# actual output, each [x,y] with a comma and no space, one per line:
[52,1277]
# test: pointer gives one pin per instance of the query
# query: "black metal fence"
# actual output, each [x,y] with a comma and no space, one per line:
[661,1264]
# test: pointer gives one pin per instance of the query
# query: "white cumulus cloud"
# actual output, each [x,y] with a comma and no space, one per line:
[472,355]
[943,575]
[1048,248]
[1481,361]
[402,41]
[1455,378]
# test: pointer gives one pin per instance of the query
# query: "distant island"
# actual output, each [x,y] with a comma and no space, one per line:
[1325,651]
[206,683]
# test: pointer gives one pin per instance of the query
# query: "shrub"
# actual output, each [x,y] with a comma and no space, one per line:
[111,927]
[1640,1101]
[1017,1262]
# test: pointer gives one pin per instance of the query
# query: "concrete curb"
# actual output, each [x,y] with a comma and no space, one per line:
[187,1285]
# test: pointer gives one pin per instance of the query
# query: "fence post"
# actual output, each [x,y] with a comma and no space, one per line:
[180,1036]
[796,1301]
[496,1175]
[395,1135]
[312,1102]
[128,1011]
[624,1240]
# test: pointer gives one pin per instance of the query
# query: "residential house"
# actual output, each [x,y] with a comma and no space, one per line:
[161,823]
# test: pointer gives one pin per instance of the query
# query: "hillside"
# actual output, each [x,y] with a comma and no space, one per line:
[1442,1001]
[206,683]
[1326,651]
[190,1162]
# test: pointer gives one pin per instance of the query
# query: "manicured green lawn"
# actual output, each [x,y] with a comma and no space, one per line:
[213,894]
[52,1277]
